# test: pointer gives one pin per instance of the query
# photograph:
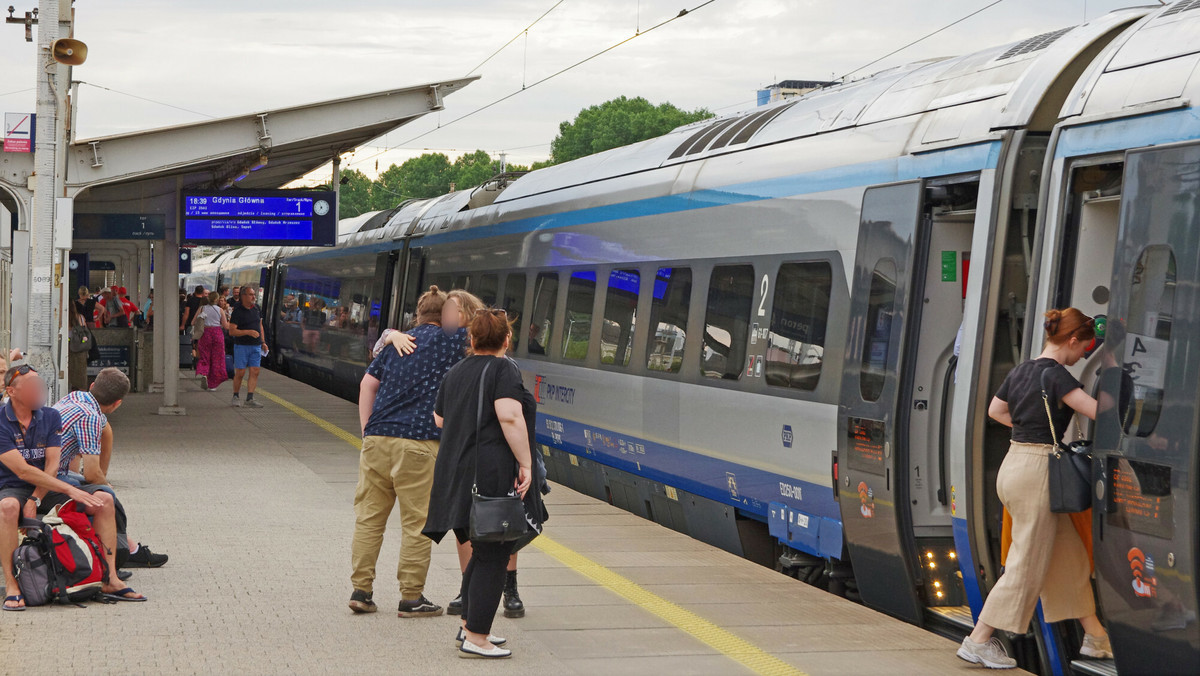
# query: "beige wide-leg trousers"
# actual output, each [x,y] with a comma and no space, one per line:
[1047,559]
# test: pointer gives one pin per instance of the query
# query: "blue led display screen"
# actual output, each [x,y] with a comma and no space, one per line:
[267,217]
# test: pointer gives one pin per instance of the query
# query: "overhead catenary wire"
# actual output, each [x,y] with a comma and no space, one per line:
[143,98]
[524,31]
[922,38]
[682,13]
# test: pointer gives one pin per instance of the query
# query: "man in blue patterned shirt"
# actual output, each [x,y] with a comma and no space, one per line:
[400,445]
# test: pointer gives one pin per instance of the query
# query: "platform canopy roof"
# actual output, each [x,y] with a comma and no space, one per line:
[259,150]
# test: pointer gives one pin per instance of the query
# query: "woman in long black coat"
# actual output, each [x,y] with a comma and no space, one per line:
[491,451]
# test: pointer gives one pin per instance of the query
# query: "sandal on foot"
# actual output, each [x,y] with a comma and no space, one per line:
[123,595]
[18,598]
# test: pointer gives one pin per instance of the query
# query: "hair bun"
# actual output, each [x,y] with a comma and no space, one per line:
[433,288]
[1051,323]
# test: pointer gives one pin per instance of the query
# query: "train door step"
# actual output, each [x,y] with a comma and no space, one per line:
[1094,667]
[951,617]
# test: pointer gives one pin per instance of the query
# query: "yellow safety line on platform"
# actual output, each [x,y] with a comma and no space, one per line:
[352,439]
[722,640]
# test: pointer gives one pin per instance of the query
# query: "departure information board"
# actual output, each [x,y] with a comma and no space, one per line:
[266,217]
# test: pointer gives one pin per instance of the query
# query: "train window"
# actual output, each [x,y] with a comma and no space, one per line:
[486,289]
[668,319]
[620,316]
[331,310]
[460,282]
[796,343]
[577,331]
[545,297]
[880,307]
[727,321]
[1151,313]
[514,302]
[443,282]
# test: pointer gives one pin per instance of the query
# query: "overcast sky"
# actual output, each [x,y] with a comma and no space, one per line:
[226,57]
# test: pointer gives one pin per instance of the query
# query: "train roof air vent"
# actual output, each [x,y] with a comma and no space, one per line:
[1036,42]
[1181,6]
[731,131]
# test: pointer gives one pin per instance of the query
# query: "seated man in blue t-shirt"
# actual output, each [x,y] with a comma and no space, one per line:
[30,442]
[400,444]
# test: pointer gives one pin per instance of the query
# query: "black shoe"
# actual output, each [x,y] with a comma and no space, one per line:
[512,600]
[360,602]
[144,558]
[455,606]
[421,607]
[123,575]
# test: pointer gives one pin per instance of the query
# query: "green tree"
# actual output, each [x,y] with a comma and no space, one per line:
[354,198]
[616,123]
[427,175]
[472,169]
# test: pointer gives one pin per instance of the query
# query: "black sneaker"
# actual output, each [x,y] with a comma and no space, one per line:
[421,607]
[144,558]
[123,575]
[455,606]
[360,602]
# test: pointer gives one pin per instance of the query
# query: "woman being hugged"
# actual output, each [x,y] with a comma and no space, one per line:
[485,449]
[1047,558]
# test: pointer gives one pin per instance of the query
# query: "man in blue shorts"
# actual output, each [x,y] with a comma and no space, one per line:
[249,340]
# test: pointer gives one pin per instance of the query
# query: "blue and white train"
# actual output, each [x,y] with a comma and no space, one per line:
[778,331]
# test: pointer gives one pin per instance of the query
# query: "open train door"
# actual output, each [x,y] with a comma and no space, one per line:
[869,456]
[1148,424]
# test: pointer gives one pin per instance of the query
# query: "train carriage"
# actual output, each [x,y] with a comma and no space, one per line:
[778,330]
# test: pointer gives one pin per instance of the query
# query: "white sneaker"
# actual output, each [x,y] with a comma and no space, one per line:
[1096,647]
[468,649]
[492,638]
[990,654]
[236,402]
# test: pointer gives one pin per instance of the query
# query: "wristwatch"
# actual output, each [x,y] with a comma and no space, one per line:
[37,502]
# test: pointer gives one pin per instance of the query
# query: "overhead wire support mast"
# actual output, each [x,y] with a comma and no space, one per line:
[682,13]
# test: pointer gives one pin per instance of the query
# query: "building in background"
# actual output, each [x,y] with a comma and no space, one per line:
[786,89]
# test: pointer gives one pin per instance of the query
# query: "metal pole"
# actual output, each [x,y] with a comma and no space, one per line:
[41,318]
[169,291]
[337,187]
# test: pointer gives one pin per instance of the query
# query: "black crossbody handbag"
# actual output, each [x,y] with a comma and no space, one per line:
[1070,469]
[499,519]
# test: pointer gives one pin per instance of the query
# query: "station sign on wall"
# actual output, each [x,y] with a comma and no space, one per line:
[18,132]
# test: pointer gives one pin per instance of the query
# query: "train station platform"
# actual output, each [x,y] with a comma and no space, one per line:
[254,509]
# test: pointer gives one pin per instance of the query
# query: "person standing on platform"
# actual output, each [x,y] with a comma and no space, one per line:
[210,349]
[1047,558]
[400,447]
[148,309]
[249,341]
[486,450]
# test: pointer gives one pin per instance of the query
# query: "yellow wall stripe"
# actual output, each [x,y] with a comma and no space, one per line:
[722,640]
